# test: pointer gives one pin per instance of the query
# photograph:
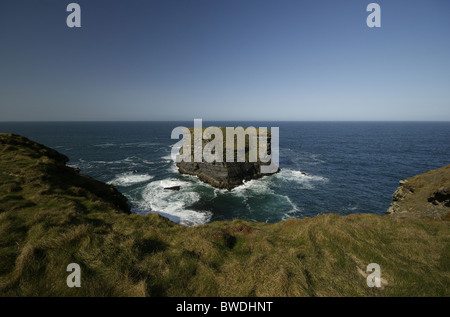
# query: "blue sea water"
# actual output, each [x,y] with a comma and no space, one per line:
[351,167]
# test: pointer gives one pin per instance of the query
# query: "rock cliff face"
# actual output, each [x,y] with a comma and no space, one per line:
[426,194]
[222,175]
[226,175]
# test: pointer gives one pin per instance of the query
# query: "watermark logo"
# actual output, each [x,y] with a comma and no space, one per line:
[74,278]
[204,148]
[374,18]
[374,278]
[74,18]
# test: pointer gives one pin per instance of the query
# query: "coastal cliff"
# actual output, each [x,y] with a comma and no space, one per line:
[425,195]
[51,215]
[226,175]
[32,173]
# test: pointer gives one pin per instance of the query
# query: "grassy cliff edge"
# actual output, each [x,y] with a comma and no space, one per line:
[50,216]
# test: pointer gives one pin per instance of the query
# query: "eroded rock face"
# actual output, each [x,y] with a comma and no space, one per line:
[403,191]
[418,195]
[441,197]
[222,175]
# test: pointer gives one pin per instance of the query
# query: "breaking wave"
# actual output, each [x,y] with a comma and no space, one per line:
[300,177]
[128,179]
[174,204]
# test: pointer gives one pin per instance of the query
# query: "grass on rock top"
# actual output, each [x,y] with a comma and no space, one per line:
[238,139]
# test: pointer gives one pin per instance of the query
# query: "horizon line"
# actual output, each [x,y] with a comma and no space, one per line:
[206,120]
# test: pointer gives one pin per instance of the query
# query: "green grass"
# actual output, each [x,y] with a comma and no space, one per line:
[51,216]
[416,193]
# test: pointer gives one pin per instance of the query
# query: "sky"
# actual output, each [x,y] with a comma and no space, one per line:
[244,60]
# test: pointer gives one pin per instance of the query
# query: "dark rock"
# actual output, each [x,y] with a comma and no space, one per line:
[222,175]
[424,195]
[441,196]
[173,188]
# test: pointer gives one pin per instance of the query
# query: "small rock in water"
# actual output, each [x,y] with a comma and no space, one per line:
[173,188]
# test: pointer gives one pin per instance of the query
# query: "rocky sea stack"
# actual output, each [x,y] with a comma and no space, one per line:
[226,175]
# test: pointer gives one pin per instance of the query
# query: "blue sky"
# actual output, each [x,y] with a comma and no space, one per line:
[224,60]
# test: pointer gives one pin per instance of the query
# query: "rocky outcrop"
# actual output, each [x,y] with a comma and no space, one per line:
[225,175]
[43,175]
[426,194]
[441,197]
[222,175]
[176,188]
[404,190]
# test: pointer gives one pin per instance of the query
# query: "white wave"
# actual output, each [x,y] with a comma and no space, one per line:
[128,179]
[261,187]
[167,158]
[107,162]
[104,145]
[149,144]
[132,160]
[175,204]
[173,168]
[315,158]
[255,186]
[299,176]
[294,206]
[139,144]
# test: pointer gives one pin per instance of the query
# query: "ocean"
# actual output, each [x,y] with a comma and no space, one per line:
[326,167]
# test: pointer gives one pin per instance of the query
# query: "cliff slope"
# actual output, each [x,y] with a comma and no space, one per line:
[425,195]
[52,216]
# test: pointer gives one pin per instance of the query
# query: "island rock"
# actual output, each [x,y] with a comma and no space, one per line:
[225,175]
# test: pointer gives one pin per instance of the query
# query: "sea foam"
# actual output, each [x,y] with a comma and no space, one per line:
[174,204]
[299,176]
[128,179]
